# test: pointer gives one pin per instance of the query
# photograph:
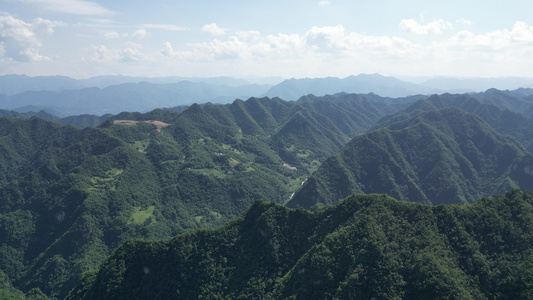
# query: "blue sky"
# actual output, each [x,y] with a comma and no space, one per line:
[253,38]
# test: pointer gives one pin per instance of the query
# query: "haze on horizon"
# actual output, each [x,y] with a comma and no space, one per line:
[80,39]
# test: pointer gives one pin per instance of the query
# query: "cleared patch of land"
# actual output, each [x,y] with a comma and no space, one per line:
[158,124]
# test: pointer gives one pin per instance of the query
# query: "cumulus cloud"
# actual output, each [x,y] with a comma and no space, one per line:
[521,34]
[325,41]
[334,45]
[22,40]
[319,50]
[435,27]
[75,7]
[167,50]
[214,29]
[111,35]
[326,38]
[33,54]
[140,34]
[131,52]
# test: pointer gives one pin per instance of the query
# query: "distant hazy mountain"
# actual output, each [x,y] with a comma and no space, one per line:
[16,84]
[466,85]
[140,97]
[293,89]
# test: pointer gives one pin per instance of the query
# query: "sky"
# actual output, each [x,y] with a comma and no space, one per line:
[256,38]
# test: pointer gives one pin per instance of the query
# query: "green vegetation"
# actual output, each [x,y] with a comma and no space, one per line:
[139,216]
[7,291]
[69,197]
[365,247]
[439,156]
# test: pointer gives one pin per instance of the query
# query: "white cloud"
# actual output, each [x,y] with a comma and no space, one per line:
[435,27]
[327,37]
[22,40]
[111,35]
[140,34]
[327,41]
[75,7]
[132,52]
[323,3]
[167,50]
[33,55]
[102,54]
[2,50]
[169,27]
[214,29]
[521,35]
[334,48]
[330,50]
[16,29]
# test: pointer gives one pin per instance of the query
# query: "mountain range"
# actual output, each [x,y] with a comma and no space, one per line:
[64,96]
[70,197]
[364,247]
[436,157]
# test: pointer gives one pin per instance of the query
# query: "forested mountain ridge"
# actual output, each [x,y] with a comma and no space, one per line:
[72,196]
[520,101]
[442,156]
[92,189]
[80,121]
[27,144]
[502,120]
[365,246]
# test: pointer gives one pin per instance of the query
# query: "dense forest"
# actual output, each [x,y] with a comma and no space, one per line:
[364,247]
[71,196]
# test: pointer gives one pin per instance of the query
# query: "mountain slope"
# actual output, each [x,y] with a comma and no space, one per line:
[507,100]
[444,156]
[74,195]
[27,144]
[367,246]
[502,120]
[307,136]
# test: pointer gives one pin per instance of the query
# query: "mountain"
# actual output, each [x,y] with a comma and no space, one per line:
[502,120]
[69,196]
[80,121]
[443,156]
[468,85]
[514,101]
[140,97]
[8,291]
[364,247]
[28,144]
[16,84]
[293,89]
